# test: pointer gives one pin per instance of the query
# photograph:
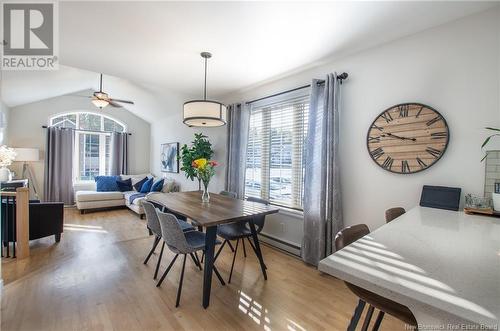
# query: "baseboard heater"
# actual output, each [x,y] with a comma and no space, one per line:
[280,244]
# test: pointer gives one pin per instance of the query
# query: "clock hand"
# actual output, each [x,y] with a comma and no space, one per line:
[399,137]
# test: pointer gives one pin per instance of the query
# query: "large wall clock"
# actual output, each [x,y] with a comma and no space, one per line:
[408,138]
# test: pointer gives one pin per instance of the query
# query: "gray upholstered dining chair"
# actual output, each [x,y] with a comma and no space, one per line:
[240,231]
[393,213]
[154,227]
[184,243]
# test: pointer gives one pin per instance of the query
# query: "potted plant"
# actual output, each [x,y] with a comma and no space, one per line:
[200,148]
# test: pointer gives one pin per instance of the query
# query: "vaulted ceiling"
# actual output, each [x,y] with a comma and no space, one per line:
[157,44]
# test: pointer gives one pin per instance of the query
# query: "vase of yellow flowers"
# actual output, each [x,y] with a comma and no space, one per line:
[204,169]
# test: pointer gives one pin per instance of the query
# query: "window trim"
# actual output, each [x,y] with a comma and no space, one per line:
[77,112]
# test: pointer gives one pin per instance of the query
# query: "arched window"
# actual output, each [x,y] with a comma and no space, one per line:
[92,141]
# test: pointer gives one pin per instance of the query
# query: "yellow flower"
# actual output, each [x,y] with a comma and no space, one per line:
[200,163]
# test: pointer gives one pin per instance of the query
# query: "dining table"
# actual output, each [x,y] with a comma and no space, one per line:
[219,210]
[443,265]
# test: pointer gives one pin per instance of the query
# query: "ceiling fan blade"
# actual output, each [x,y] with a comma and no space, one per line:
[122,101]
[113,104]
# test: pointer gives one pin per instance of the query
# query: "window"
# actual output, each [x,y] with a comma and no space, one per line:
[275,154]
[92,142]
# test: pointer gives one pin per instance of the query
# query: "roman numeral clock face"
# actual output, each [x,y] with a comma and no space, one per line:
[408,138]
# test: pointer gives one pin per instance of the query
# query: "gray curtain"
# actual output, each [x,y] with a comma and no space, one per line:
[238,120]
[119,153]
[58,179]
[322,199]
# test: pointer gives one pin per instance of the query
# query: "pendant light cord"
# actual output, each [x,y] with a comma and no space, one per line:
[205,89]
[100,84]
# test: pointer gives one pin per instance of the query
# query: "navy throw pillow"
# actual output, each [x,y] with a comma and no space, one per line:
[124,185]
[138,185]
[146,187]
[157,186]
[106,183]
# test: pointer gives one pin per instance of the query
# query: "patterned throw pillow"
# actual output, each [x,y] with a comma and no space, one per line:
[169,186]
[106,183]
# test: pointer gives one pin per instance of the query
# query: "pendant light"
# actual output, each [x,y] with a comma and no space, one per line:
[204,113]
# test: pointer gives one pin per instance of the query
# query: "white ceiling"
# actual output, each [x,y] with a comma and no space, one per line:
[157,44]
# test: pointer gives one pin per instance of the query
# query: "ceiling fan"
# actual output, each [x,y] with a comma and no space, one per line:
[101,99]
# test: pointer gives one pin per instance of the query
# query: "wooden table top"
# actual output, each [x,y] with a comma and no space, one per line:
[221,209]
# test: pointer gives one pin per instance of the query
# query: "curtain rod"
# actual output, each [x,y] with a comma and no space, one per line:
[340,77]
[95,131]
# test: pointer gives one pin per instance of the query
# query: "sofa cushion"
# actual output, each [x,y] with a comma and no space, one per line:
[136,201]
[137,186]
[124,185]
[97,196]
[106,183]
[136,178]
[146,187]
[170,186]
[157,186]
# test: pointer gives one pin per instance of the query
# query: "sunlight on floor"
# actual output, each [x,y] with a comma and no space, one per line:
[254,310]
[84,228]
[292,326]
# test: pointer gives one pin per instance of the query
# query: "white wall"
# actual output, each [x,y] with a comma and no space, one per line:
[454,68]
[25,129]
[171,129]
[4,132]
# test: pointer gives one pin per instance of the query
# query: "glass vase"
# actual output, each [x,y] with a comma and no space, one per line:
[205,196]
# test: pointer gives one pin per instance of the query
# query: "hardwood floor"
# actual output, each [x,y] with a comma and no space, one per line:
[94,279]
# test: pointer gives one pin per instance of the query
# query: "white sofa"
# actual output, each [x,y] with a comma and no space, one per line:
[88,198]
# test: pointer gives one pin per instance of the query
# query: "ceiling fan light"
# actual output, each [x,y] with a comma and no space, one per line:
[204,113]
[99,103]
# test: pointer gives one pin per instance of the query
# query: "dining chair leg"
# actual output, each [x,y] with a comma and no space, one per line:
[234,258]
[368,318]
[179,290]
[220,249]
[244,249]
[155,243]
[230,246]
[166,271]
[257,249]
[221,280]
[197,260]
[356,316]
[194,260]
[159,261]
[378,321]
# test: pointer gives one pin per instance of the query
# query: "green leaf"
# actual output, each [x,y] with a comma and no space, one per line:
[486,141]
[484,157]
[493,129]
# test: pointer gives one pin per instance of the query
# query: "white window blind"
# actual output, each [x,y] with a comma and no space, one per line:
[275,154]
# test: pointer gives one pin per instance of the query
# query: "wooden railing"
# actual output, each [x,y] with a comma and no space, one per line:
[21,221]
